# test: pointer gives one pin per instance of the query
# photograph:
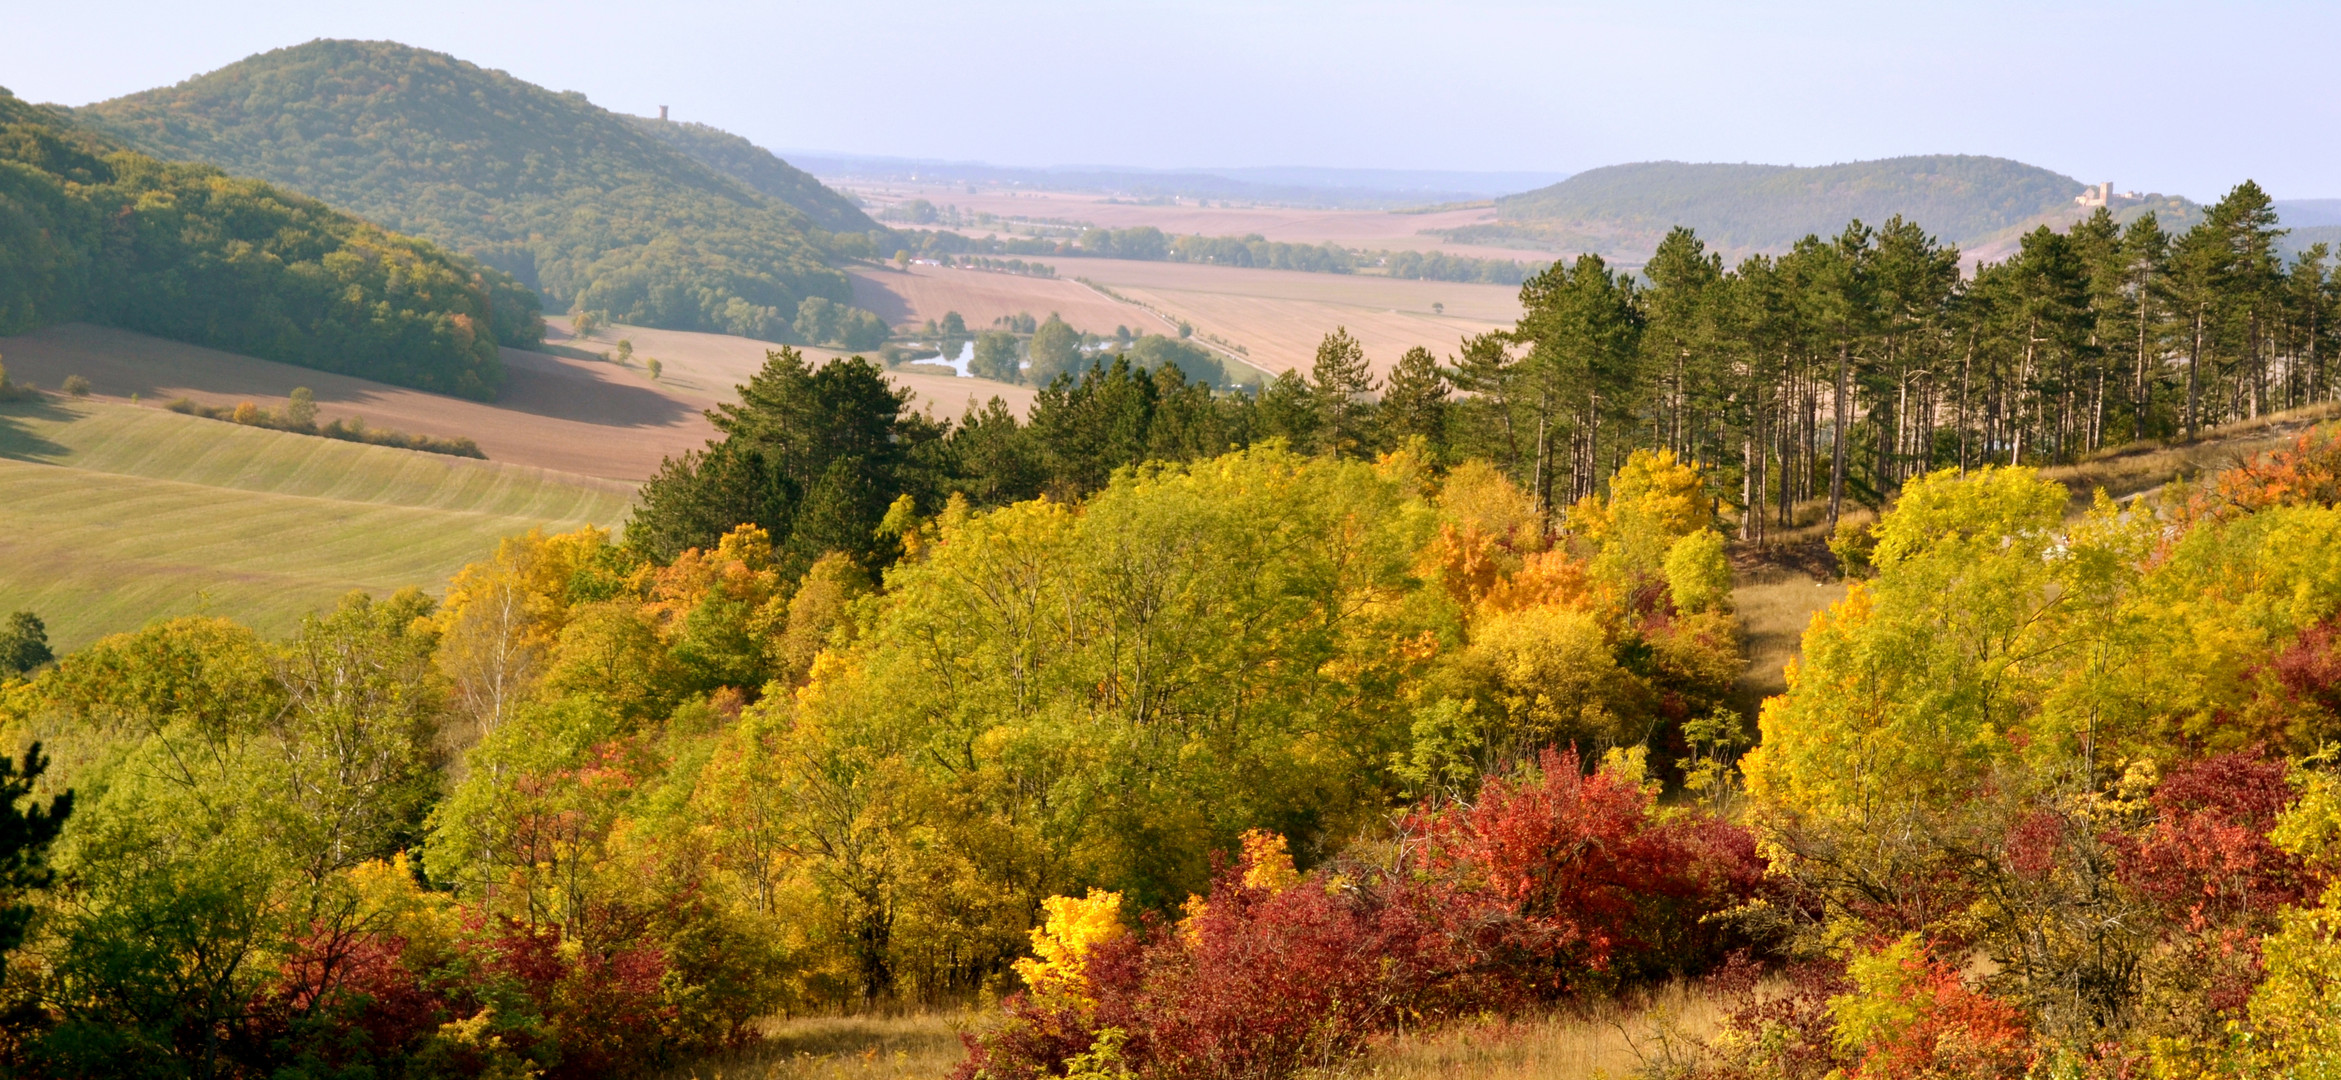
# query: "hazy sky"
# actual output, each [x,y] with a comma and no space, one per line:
[2184,98]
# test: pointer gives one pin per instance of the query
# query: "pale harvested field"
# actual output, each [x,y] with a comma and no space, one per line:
[703,369]
[907,299]
[1279,316]
[1368,230]
[112,515]
[556,413]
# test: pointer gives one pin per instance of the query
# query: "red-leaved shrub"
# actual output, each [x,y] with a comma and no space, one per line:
[1549,883]
[1566,877]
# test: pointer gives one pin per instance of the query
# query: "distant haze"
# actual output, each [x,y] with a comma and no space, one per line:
[2183,98]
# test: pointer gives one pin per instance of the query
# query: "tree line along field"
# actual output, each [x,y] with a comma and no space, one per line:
[1371,230]
[112,515]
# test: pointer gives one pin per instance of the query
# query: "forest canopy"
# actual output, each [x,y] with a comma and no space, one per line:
[91,231]
[577,202]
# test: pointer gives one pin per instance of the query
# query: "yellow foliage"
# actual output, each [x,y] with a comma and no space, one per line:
[1487,525]
[1073,926]
[1477,495]
[1545,579]
[388,897]
[1653,489]
[817,612]
[502,616]
[1267,865]
[740,568]
[1555,675]
[1698,577]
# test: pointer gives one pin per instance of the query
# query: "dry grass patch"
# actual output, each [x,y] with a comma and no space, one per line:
[1605,1040]
[920,1046]
[2141,467]
[1775,604]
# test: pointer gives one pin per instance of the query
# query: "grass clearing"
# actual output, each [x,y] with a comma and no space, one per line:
[918,1046]
[1602,1040]
[112,516]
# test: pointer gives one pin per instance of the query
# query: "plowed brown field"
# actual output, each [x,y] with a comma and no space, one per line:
[557,413]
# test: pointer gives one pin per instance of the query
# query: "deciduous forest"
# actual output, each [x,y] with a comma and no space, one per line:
[93,231]
[579,203]
[1196,734]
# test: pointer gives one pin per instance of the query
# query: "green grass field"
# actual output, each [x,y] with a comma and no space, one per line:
[114,515]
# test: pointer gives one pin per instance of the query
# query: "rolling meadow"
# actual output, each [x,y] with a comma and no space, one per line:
[118,514]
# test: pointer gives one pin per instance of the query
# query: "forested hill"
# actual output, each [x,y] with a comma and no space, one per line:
[1750,208]
[760,169]
[573,199]
[89,230]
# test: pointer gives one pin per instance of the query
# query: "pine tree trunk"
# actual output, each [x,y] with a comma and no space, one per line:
[1837,438]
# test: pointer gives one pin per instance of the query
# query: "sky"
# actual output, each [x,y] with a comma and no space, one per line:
[2182,98]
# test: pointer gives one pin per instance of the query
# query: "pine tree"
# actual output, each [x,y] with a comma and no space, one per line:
[1414,403]
[1339,383]
[1287,409]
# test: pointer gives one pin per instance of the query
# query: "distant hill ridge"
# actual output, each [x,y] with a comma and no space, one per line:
[761,170]
[583,204]
[1965,199]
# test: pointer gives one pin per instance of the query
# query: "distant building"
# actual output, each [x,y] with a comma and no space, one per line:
[2096,195]
[662,114]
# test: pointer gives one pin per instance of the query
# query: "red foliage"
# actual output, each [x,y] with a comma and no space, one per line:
[1569,875]
[1543,883]
[1786,1034]
[2307,473]
[1263,984]
[2310,667]
[1957,1032]
[2206,861]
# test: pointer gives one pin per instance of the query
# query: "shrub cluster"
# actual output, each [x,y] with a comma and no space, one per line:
[1555,884]
[299,416]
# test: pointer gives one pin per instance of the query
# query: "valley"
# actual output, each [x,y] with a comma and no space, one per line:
[495,585]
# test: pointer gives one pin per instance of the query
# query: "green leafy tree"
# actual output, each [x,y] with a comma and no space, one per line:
[24,644]
[997,356]
[1055,349]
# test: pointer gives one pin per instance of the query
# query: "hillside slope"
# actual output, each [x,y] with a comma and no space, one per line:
[571,198]
[91,231]
[1749,208]
[112,515]
[556,412]
[760,169]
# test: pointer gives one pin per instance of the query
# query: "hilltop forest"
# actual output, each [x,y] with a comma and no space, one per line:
[594,210]
[1221,734]
[89,230]
[1744,209]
